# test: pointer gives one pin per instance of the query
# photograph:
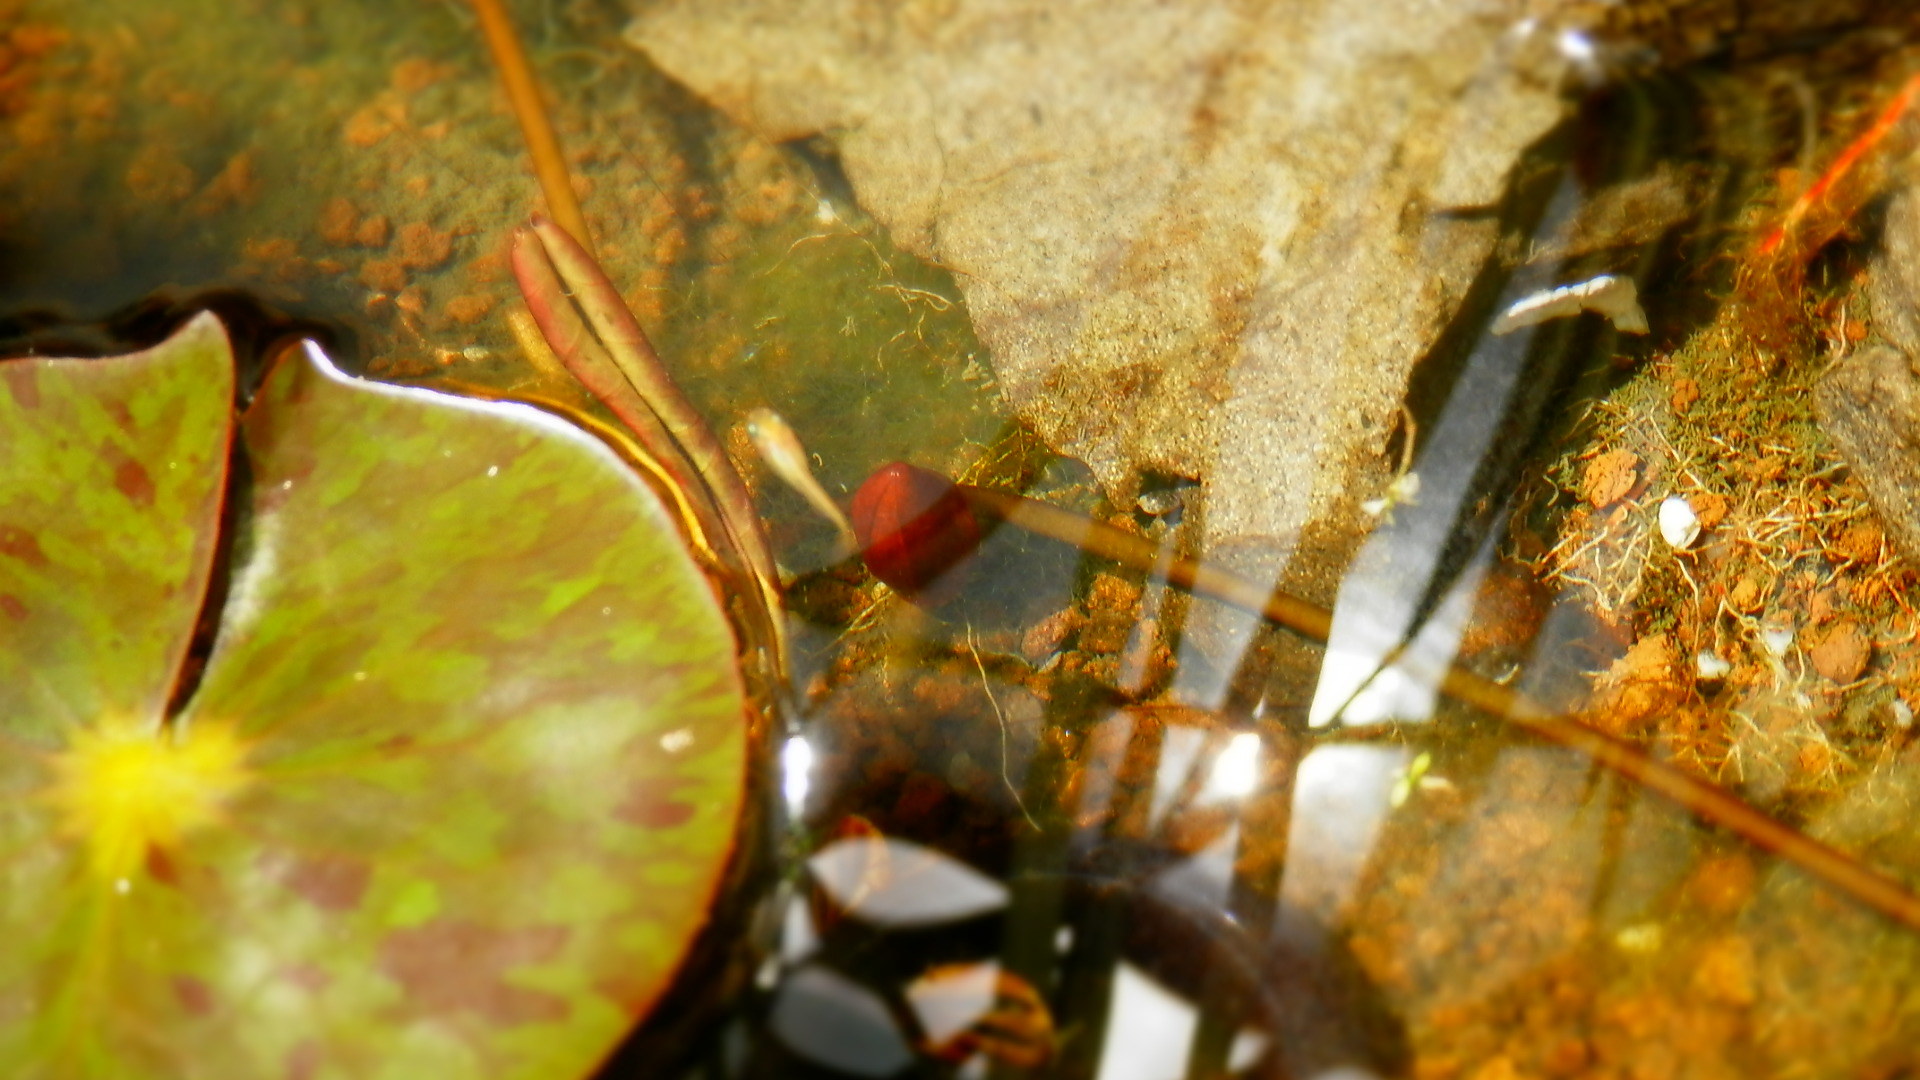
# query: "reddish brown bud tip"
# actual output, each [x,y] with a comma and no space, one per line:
[914,528]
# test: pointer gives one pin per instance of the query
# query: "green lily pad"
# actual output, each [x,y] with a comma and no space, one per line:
[460,777]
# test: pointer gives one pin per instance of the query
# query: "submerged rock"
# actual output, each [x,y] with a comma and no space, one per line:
[1869,405]
[1869,402]
[1205,240]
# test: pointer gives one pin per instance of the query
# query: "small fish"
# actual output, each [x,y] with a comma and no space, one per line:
[780,448]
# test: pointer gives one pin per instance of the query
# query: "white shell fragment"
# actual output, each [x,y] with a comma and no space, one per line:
[1711,666]
[1679,525]
[1609,295]
[1777,640]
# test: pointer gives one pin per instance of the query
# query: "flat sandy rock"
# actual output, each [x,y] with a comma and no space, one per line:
[1205,239]
[1869,405]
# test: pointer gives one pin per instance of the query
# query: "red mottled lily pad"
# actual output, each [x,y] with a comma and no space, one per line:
[460,777]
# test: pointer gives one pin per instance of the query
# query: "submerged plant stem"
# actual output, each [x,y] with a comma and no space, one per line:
[1709,802]
[523,93]
[1883,125]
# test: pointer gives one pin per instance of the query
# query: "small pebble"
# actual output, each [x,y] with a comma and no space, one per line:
[1679,526]
[1158,502]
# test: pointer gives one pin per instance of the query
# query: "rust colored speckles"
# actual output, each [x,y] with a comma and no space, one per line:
[308,977]
[416,73]
[22,381]
[12,608]
[373,231]
[341,225]
[338,221]
[132,480]
[647,807]
[17,543]
[373,123]
[330,882]
[467,310]
[423,249]
[303,1061]
[626,989]
[194,995]
[438,966]
[383,275]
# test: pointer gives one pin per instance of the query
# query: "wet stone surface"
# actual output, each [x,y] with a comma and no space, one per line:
[1870,407]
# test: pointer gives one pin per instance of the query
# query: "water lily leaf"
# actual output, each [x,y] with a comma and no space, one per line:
[455,789]
[110,480]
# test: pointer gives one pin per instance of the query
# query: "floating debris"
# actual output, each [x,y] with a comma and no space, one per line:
[1404,491]
[1416,777]
[1609,295]
[1679,525]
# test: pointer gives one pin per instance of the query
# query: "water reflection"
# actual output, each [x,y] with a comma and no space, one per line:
[896,884]
[888,966]
[796,774]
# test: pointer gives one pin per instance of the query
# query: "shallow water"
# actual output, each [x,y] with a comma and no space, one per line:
[1073,822]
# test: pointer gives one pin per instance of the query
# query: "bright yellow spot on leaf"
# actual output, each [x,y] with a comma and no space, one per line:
[125,787]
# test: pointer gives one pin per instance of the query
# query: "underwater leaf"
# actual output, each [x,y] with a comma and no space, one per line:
[454,792]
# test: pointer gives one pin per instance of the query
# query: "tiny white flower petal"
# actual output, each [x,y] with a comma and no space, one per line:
[1679,526]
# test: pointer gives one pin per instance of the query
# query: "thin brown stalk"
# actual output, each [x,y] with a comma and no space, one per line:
[575,304]
[587,360]
[588,326]
[523,93]
[1709,802]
